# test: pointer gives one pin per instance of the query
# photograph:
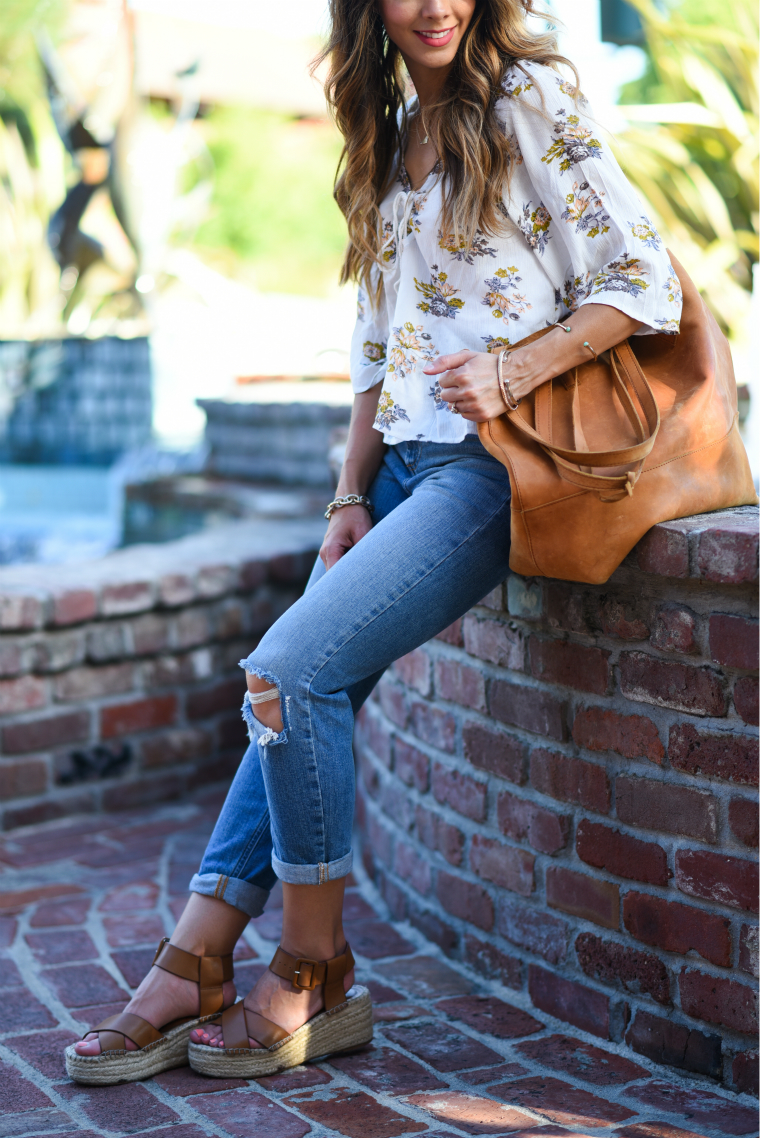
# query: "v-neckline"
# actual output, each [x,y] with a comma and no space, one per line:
[406,181]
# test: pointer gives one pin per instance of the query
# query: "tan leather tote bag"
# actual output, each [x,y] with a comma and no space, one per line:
[599,455]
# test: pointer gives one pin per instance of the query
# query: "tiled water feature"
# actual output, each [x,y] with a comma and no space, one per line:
[265,457]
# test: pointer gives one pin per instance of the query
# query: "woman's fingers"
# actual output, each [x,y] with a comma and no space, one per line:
[445,363]
[344,532]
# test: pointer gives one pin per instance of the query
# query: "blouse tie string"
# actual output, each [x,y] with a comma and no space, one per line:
[401,213]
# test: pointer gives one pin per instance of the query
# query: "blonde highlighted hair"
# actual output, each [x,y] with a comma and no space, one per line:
[365,91]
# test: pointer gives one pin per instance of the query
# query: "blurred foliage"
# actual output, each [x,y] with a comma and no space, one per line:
[697,166]
[273,218]
[31,172]
[20,75]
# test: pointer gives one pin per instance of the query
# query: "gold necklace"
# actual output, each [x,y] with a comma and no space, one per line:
[422,141]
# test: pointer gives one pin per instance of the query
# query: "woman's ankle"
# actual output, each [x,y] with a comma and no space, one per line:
[312,948]
[208,927]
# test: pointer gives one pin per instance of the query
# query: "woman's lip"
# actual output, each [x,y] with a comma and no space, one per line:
[438,41]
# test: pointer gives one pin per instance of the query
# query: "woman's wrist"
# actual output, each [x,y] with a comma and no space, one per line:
[355,478]
[352,486]
[526,369]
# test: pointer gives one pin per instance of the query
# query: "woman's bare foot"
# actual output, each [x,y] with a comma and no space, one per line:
[278,1001]
[161,998]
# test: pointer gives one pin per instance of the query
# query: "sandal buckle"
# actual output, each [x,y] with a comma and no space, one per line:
[159,950]
[312,965]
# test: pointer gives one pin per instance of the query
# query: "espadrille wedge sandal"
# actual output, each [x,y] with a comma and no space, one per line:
[345,1023]
[157,1050]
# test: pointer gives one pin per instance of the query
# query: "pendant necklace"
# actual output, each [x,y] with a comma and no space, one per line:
[421,141]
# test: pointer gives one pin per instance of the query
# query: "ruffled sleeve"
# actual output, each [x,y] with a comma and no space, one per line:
[369,344]
[581,208]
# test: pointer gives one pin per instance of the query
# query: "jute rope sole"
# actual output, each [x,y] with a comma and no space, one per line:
[342,1029]
[129,1066]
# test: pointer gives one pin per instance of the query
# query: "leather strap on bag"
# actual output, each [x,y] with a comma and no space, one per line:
[576,465]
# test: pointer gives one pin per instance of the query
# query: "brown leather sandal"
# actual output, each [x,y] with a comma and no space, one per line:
[345,1023]
[157,1050]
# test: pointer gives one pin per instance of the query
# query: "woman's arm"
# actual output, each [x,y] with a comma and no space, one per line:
[364,453]
[470,380]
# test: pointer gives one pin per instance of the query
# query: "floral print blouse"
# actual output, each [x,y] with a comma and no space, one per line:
[579,236]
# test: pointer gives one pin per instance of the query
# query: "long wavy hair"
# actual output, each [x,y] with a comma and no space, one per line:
[365,92]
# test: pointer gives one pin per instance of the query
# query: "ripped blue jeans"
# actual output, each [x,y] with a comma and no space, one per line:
[439,544]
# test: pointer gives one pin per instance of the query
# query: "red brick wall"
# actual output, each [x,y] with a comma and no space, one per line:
[143,656]
[561,790]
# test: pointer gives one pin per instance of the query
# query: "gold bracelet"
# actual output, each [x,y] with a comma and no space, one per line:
[504,388]
[348,500]
[564,327]
[593,353]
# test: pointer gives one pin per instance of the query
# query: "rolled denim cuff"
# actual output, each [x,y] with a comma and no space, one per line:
[242,895]
[318,874]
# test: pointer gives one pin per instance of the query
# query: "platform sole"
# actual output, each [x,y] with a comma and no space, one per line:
[130,1066]
[343,1029]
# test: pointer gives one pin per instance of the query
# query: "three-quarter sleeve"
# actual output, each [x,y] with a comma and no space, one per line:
[582,216]
[369,344]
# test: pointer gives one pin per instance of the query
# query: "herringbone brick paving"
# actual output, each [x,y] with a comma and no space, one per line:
[83,903]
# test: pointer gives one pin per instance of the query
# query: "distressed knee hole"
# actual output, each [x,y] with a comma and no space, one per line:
[264,701]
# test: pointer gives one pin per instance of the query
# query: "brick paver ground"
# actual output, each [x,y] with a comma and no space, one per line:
[83,903]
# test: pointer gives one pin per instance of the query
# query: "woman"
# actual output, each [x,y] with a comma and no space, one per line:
[481,211]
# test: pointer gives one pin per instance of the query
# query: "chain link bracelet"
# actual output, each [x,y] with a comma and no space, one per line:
[349,500]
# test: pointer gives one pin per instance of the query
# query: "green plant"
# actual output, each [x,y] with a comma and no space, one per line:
[273,216]
[31,174]
[691,148]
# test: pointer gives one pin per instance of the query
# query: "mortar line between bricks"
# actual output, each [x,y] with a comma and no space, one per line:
[162,880]
[318,1130]
[395,1102]
[33,980]
[94,926]
[454,1076]
[186,1112]
[43,1083]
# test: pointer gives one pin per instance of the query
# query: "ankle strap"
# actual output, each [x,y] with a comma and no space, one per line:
[306,974]
[208,972]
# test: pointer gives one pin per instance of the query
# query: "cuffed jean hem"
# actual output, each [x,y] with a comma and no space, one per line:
[318,874]
[241,895]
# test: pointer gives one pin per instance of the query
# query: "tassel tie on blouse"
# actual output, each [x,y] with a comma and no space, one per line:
[401,214]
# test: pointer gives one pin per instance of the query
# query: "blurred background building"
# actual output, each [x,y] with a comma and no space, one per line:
[168,236]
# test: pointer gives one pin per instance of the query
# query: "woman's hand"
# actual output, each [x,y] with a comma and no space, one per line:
[469,379]
[348,525]
[469,382]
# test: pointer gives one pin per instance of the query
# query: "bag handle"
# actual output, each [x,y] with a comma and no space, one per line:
[570,463]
